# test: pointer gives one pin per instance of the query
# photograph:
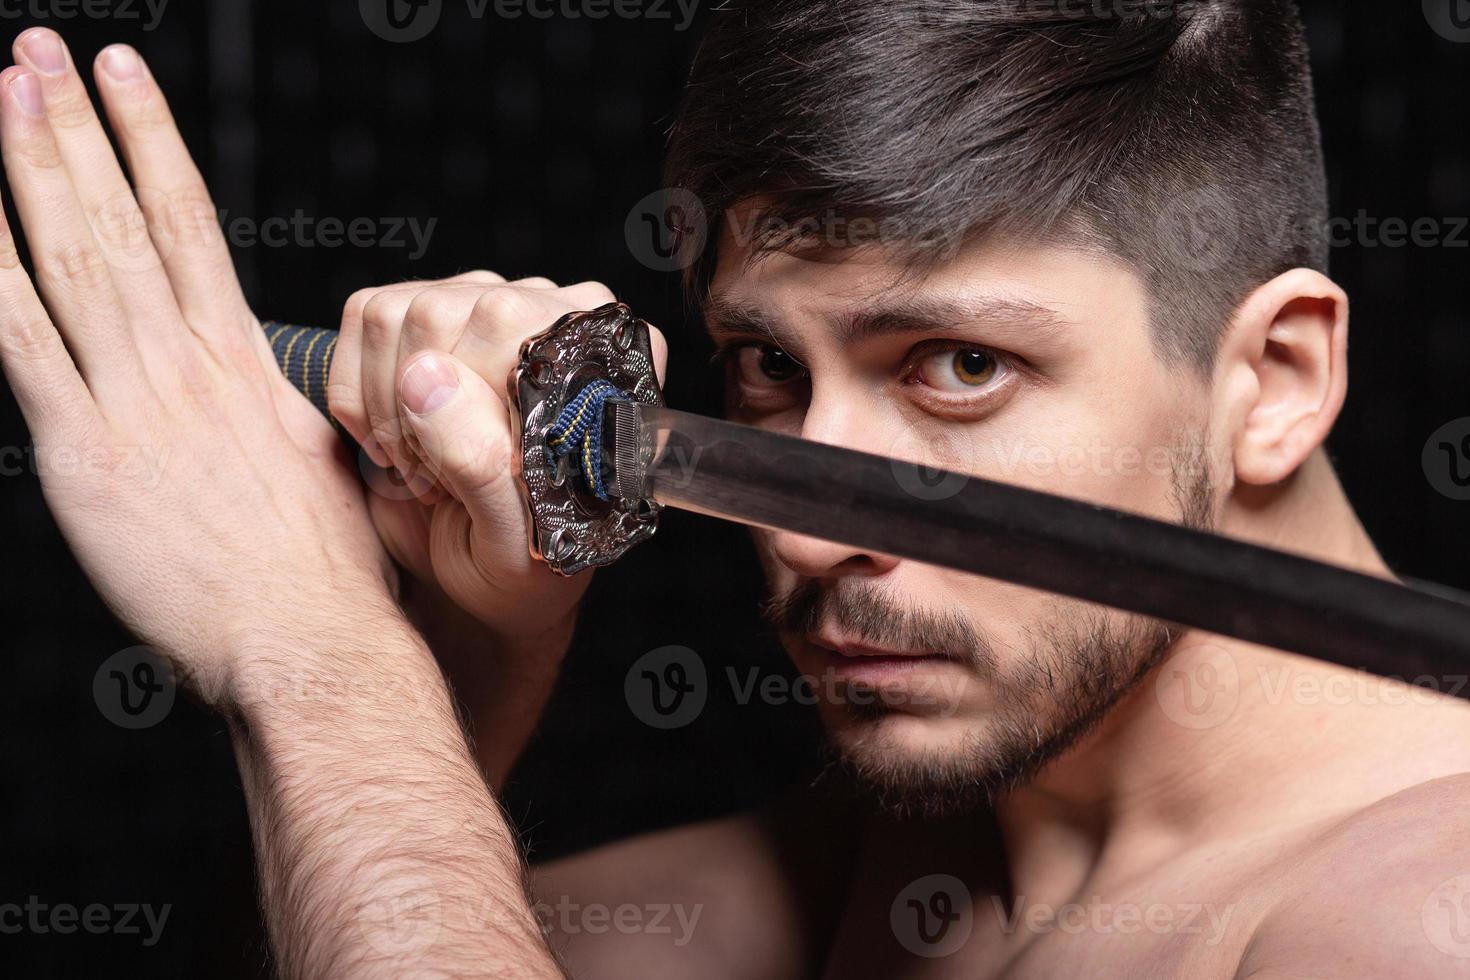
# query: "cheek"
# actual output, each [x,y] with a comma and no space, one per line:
[1107,447]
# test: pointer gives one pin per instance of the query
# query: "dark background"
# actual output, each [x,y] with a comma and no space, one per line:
[529,141]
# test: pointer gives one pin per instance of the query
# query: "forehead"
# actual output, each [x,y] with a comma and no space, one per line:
[844,291]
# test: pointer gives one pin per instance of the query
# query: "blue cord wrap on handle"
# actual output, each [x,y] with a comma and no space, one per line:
[577,432]
[305,357]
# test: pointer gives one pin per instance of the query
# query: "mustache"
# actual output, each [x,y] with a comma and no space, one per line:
[872,615]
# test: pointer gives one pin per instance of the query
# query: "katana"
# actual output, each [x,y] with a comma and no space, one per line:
[600,455]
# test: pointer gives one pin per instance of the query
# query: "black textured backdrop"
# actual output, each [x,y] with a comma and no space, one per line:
[527,141]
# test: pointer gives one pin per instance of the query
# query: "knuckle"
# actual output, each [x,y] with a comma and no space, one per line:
[344,402]
[382,316]
[31,337]
[148,116]
[70,110]
[592,287]
[9,254]
[357,303]
[39,152]
[430,312]
[80,264]
[502,310]
[536,282]
[387,430]
[188,212]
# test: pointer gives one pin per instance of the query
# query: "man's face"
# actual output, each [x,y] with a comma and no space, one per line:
[1031,366]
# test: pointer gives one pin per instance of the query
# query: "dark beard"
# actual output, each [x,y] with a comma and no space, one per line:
[1083,665]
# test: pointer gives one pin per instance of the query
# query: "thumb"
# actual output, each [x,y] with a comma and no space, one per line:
[463,431]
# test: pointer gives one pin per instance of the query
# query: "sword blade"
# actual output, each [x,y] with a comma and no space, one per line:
[1060,545]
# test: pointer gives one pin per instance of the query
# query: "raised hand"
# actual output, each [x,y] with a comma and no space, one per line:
[210,503]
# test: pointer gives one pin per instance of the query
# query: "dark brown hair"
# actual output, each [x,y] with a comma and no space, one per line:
[1178,136]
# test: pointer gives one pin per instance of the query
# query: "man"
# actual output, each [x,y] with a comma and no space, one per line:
[1065,790]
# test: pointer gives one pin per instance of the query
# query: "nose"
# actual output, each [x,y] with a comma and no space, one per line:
[830,420]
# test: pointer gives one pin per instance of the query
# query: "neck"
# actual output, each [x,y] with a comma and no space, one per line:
[1225,739]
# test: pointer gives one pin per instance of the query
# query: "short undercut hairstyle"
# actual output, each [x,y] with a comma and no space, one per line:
[1180,137]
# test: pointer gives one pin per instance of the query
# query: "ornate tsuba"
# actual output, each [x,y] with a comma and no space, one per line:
[571,529]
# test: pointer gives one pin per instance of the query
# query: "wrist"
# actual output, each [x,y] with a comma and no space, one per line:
[343,667]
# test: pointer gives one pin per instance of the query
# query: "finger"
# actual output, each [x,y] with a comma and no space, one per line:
[434,321]
[463,429]
[70,269]
[181,214]
[344,385]
[501,320]
[47,386]
[586,295]
[106,197]
[382,321]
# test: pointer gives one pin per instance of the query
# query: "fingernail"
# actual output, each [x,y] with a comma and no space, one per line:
[122,63]
[45,52]
[26,89]
[428,385]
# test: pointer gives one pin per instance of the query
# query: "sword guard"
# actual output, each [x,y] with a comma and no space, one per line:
[571,529]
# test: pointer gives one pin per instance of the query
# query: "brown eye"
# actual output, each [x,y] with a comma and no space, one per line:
[960,370]
[764,365]
[974,367]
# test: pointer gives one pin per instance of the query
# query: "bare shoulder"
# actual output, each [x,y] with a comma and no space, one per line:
[731,897]
[1384,892]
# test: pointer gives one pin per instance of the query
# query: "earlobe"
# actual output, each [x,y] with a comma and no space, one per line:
[1289,342]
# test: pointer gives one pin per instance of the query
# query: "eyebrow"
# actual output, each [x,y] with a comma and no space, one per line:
[997,314]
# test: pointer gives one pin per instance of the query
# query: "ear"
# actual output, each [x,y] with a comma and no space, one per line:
[1282,372]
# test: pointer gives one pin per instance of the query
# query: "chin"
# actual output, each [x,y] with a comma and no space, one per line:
[915,766]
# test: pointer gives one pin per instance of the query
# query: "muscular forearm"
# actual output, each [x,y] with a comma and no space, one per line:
[381,850]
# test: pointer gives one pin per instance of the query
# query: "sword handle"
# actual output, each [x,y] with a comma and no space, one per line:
[570,530]
[304,355]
